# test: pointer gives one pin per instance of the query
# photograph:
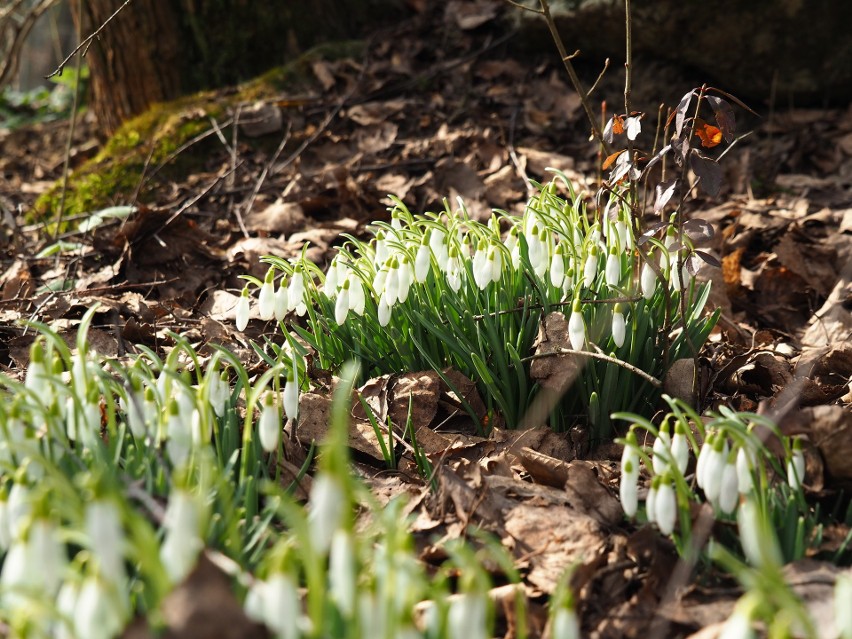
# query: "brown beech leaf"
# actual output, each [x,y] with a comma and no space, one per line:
[725,117]
[709,171]
[680,112]
[611,158]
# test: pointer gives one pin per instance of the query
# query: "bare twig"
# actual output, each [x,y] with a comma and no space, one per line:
[261,179]
[604,358]
[87,41]
[13,33]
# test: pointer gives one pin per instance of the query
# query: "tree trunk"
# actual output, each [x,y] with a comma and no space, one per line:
[134,61]
[156,50]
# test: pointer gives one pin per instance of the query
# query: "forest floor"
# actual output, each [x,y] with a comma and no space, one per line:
[443,106]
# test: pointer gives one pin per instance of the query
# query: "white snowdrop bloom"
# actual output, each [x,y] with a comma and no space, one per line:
[796,466]
[665,507]
[703,457]
[106,539]
[619,327]
[745,467]
[182,542]
[651,500]
[243,310]
[291,396]
[557,267]
[648,281]
[714,470]
[406,277]
[495,263]
[680,449]
[729,494]
[842,609]
[266,297]
[382,252]
[82,420]
[275,604]
[97,613]
[481,272]
[628,485]
[566,624]
[331,279]
[36,378]
[296,294]
[396,222]
[438,244]
[269,424]
[380,278]
[454,273]
[737,626]
[464,240]
[612,270]
[18,508]
[134,408]
[325,510]
[467,617]
[756,549]
[383,311]
[535,248]
[178,435]
[679,278]
[66,605]
[282,299]
[391,291]
[513,245]
[422,263]
[357,297]
[341,304]
[625,237]
[218,392]
[34,564]
[662,450]
[577,327]
[342,571]
[590,267]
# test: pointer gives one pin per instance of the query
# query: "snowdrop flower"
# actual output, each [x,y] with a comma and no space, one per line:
[275,604]
[481,271]
[383,311]
[729,493]
[680,448]
[34,564]
[438,244]
[18,509]
[182,542]
[406,277]
[590,268]
[842,609]
[291,394]
[619,328]
[296,294]
[392,288]
[651,499]
[332,279]
[665,507]
[97,613]
[382,252]
[66,605]
[453,271]
[623,230]
[662,450]
[279,305]
[357,298]
[566,625]
[577,327]
[648,281]
[557,267]
[467,617]
[495,263]
[266,297]
[745,466]
[106,539]
[178,435]
[612,271]
[796,466]
[342,571]
[627,488]
[243,310]
[341,304]
[269,424]
[325,510]
[36,379]
[535,249]
[218,391]
[760,546]
[514,247]
[422,262]
[738,625]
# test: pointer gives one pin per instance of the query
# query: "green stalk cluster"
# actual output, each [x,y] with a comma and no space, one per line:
[441,290]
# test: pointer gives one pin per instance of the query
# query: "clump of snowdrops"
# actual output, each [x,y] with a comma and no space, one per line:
[117,477]
[442,290]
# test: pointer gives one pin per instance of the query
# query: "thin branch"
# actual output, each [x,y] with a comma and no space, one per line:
[87,41]
[604,358]
[524,7]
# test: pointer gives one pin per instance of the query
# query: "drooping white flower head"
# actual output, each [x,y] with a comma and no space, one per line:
[665,507]
[269,424]
[182,542]
[243,309]
[619,326]
[577,327]
[796,465]
[648,281]
[266,297]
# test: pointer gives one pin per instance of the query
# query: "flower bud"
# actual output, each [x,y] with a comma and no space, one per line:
[269,424]
[243,310]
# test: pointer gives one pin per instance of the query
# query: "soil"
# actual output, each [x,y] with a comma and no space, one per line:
[440,106]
